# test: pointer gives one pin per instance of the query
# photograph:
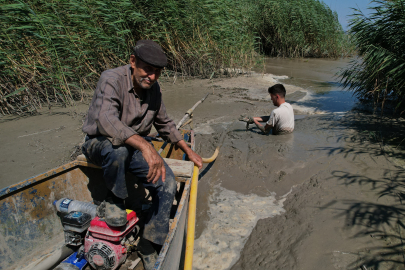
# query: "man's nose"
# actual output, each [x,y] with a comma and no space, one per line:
[152,76]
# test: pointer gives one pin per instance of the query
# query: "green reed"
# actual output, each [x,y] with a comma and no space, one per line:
[379,74]
[50,51]
[296,28]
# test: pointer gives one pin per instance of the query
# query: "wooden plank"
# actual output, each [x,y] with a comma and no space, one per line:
[81,158]
[182,179]
[180,168]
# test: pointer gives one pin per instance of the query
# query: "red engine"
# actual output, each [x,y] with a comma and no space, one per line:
[106,247]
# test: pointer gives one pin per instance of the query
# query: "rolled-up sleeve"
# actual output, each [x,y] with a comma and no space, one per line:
[107,113]
[166,126]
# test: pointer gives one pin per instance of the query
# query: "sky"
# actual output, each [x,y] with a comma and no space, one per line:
[342,7]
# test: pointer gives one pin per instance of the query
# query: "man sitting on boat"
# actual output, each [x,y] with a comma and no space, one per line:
[281,120]
[125,105]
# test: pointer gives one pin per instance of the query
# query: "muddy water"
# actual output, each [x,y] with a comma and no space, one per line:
[298,201]
[254,173]
[276,202]
[319,76]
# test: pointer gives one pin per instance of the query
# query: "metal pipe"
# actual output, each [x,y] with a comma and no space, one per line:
[54,258]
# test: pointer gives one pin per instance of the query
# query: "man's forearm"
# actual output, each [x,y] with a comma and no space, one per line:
[262,118]
[138,142]
[264,129]
[261,128]
[183,146]
[258,125]
[190,153]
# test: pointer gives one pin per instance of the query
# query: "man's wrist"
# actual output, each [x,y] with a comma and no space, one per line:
[262,128]
[183,146]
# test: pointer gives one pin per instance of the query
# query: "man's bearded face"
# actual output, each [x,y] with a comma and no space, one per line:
[145,75]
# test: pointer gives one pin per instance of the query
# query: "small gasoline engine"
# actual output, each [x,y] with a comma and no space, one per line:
[75,225]
[105,247]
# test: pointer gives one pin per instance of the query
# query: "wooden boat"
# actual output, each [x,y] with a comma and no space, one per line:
[31,232]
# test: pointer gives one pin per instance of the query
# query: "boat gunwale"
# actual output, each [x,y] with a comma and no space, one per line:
[43,177]
[174,225]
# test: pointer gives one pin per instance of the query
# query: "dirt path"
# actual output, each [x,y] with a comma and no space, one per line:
[324,197]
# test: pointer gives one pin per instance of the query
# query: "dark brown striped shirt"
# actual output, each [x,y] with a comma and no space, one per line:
[118,113]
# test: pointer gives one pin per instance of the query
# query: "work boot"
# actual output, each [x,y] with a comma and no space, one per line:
[115,214]
[149,261]
[147,252]
[112,210]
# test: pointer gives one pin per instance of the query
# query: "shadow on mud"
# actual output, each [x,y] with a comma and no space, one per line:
[378,136]
[382,139]
[384,221]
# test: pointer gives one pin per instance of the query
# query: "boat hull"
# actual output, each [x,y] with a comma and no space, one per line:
[30,227]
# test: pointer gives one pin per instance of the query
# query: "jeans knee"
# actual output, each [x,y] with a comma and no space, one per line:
[120,154]
[171,184]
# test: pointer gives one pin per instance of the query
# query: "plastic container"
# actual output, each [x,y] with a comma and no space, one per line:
[72,263]
[66,205]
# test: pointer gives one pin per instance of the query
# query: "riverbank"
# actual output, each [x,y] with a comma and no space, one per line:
[325,197]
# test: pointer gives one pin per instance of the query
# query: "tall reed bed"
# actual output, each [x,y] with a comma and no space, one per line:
[379,74]
[50,51]
[296,28]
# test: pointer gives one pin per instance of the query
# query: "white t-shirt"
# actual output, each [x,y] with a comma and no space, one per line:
[282,119]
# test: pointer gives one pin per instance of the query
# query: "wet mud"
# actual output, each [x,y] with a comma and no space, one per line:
[327,196]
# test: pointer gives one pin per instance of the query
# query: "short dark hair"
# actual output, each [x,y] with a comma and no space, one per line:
[277,89]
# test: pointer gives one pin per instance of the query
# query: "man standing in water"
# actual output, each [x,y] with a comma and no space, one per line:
[281,120]
[125,105]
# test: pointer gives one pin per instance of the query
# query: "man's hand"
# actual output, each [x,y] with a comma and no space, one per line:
[192,156]
[247,119]
[156,165]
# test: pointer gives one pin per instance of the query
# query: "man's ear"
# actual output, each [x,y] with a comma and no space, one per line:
[132,61]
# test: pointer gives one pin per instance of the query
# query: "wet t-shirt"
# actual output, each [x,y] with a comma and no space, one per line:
[282,119]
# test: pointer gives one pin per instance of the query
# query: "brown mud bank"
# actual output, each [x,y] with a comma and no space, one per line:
[328,196]
[31,145]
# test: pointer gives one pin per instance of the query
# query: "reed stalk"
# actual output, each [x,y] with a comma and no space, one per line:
[378,74]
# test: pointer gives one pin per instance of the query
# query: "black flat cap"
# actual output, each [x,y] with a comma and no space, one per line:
[151,53]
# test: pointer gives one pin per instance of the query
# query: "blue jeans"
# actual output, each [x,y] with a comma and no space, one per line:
[115,162]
